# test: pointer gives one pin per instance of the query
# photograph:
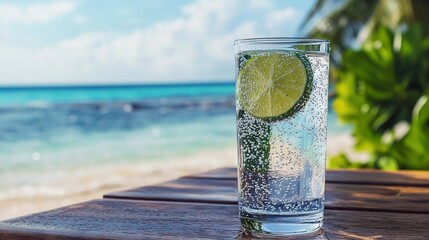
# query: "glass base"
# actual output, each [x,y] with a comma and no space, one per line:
[281,225]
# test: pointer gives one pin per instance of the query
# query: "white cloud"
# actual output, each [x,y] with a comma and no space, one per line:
[261,4]
[37,13]
[281,17]
[196,46]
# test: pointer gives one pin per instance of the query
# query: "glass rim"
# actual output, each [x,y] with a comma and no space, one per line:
[282,40]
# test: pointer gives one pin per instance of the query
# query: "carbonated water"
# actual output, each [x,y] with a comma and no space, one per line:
[282,162]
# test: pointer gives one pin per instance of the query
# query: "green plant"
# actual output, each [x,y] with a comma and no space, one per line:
[383,92]
[348,23]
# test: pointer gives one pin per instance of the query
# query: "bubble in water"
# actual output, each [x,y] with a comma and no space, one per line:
[282,164]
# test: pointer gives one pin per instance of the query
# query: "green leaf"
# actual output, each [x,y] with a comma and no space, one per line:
[412,151]
[340,161]
[381,85]
[387,163]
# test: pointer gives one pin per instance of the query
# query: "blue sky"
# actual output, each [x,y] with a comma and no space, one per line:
[133,41]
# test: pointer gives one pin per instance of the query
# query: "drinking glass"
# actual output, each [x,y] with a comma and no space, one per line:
[282,105]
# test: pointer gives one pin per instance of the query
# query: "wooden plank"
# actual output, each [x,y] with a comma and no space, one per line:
[184,190]
[111,219]
[114,219]
[376,177]
[220,173]
[338,196]
[369,225]
[369,177]
[377,198]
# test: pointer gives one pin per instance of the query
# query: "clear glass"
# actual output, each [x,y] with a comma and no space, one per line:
[282,192]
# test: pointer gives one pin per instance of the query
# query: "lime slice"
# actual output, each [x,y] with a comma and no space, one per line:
[274,85]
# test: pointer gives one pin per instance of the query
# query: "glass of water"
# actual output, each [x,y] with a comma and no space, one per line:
[282,105]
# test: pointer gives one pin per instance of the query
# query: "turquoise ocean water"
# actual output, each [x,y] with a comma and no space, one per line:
[47,130]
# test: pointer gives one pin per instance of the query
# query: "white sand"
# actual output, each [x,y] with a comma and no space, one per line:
[93,183]
[114,178]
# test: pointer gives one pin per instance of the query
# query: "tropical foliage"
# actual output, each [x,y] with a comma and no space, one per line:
[381,69]
[384,92]
[348,23]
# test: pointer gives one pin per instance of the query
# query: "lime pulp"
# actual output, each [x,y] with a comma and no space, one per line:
[274,85]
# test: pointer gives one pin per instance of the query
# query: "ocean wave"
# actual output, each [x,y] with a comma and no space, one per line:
[44,120]
[144,104]
[39,104]
[24,96]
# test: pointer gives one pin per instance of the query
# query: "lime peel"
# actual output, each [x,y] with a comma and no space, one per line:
[274,85]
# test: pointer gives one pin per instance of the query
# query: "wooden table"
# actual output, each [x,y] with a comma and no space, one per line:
[359,205]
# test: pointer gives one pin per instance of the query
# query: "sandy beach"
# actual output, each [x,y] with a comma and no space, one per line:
[93,183]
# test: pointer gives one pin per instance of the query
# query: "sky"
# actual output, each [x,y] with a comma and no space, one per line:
[78,42]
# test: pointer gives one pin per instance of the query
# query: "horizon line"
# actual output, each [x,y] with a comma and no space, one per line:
[94,85]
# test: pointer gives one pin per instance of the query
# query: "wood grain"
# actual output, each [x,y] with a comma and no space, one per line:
[376,177]
[377,198]
[184,190]
[111,219]
[220,173]
[359,205]
[117,219]
[338,196]
[368,177]
[369,225]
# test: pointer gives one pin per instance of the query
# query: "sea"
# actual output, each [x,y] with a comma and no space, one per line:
[48,130]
